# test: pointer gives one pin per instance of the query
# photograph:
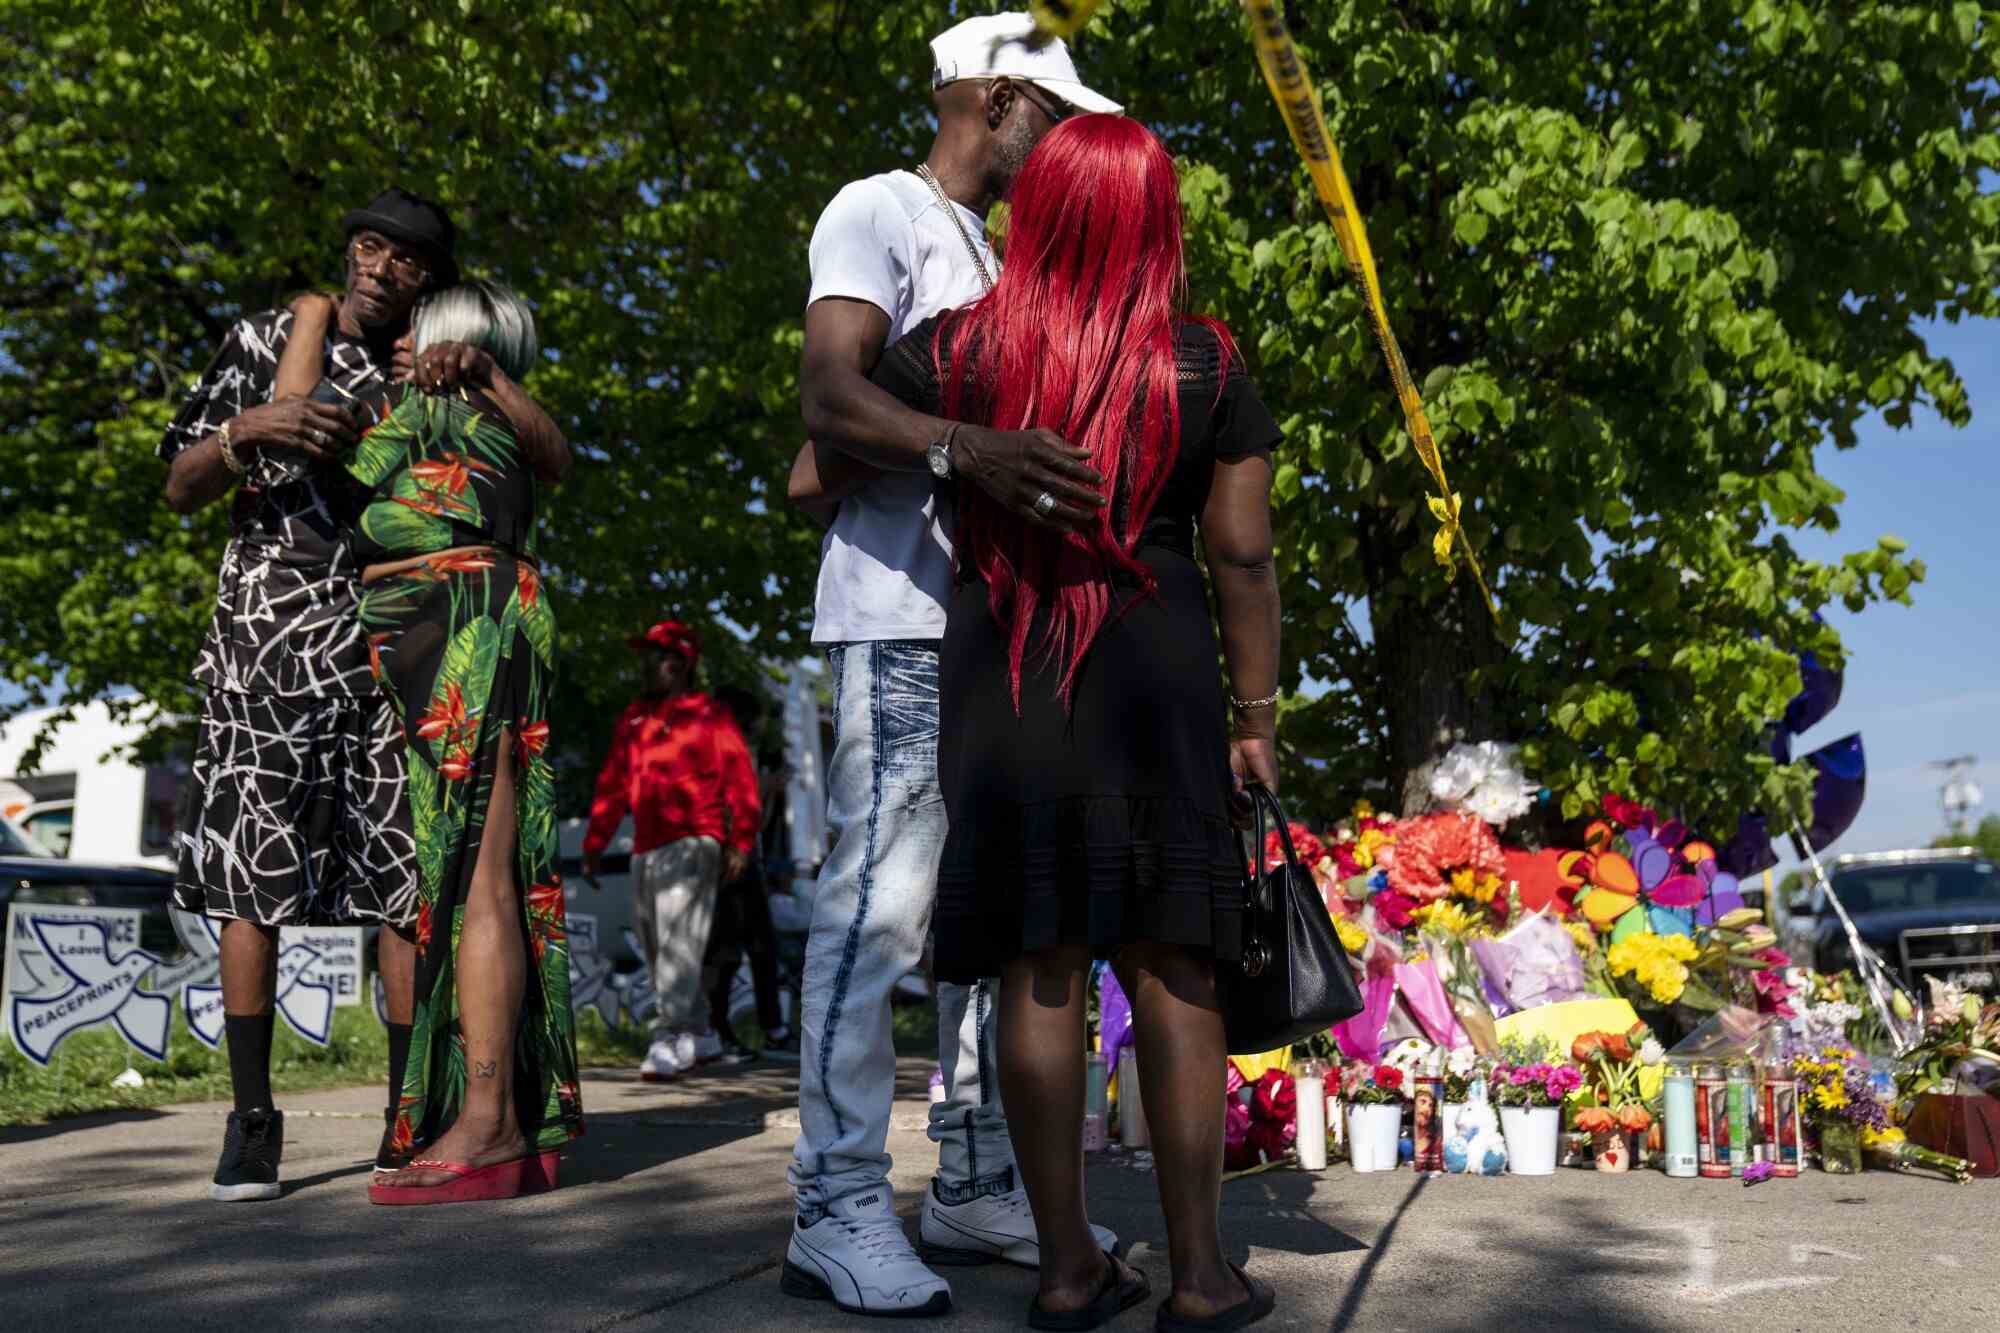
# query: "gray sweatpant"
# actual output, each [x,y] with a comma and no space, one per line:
[676,887]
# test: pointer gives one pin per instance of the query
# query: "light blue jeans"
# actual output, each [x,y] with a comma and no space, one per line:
[871,915]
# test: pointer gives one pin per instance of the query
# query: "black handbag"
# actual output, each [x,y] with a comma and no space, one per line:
[1294,979]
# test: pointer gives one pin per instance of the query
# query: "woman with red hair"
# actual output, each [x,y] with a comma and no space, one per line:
[1084,752]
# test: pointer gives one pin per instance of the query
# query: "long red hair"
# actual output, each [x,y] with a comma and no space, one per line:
[1078,337]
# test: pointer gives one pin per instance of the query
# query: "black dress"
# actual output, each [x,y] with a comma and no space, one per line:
[1106,823]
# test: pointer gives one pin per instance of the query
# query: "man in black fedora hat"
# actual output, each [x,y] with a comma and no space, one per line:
[297,812]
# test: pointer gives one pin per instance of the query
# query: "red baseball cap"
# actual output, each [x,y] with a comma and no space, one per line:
[672,636]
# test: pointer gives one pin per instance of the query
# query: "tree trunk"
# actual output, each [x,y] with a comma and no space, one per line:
[1427,649]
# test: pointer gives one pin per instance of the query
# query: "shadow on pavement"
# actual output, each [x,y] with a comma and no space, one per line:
[12,1134]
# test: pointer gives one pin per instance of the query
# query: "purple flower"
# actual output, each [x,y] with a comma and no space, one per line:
[1755,1172]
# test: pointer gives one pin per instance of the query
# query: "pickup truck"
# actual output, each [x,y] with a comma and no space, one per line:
[1926,913]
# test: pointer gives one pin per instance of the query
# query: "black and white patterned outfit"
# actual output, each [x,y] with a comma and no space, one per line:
[297,812]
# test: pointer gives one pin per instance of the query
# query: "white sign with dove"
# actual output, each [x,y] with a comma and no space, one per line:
[319,970]
[71,968]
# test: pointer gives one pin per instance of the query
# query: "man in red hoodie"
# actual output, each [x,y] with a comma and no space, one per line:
[681,768]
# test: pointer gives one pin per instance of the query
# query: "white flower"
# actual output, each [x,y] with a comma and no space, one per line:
[1462,1062]
[1651,1052]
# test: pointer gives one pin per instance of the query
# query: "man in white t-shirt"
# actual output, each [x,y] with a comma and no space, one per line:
[888,252]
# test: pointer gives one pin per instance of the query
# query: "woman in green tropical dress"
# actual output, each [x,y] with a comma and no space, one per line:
[463,639]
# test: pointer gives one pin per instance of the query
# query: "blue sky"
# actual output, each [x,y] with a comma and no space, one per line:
[1922,682]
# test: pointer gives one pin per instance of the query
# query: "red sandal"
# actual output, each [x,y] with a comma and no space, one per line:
[531,1174]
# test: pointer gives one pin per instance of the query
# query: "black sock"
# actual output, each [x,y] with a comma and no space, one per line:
[399,1060]
[250,1059]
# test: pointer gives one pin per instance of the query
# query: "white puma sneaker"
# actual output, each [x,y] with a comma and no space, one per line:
[858,1257]
[995,1228]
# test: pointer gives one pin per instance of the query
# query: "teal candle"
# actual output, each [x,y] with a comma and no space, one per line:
[1680,1129]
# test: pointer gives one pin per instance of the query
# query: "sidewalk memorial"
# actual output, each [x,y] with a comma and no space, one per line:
[72,968]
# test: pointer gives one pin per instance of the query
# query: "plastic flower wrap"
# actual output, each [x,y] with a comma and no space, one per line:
[1430,848]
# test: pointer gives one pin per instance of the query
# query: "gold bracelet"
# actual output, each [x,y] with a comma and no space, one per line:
[1245,705]
[229,458]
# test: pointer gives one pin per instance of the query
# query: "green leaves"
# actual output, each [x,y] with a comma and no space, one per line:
[1648,261]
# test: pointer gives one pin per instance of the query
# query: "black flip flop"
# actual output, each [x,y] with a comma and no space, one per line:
[1262,1301]
[1124,1287]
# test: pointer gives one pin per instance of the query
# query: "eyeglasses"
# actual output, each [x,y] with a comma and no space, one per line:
[377,252]
[1057,113]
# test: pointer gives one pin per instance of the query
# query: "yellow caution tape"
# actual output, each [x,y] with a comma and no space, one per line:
[1062,18]
[1285,74]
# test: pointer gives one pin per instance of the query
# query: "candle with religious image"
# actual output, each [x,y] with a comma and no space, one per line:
[1427,1120]
[1781,1120]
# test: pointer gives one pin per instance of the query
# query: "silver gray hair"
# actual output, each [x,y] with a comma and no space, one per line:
[485,314]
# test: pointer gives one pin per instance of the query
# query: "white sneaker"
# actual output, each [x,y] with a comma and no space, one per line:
[989,1229]
[858,1257]
[663,1061]
[707,1046]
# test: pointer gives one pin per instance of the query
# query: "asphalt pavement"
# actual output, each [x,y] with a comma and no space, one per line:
[673,1214]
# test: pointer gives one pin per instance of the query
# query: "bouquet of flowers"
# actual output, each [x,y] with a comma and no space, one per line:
[1444,857]
[1260,1121]
[1541,1084]
[1363,1084]
[1461,1071]
[1484,781]
[1837,1088]
[1612,1062]
[1961,1029]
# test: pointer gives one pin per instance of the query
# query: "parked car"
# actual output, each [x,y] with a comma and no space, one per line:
[1926,913]
[36,877]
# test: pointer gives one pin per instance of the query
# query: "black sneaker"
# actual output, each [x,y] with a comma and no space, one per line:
[736,1053]
[251,1147]
[782,1045]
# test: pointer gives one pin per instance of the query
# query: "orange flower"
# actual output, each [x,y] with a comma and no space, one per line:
[447,715]
[1616,1046]
[450,472]
[423,925]
[1586,1048]
[458,766]
[531,738]
[547,900]
[460,562]
[430,504]
[1595,1120]
[1633,1118]
[529,581]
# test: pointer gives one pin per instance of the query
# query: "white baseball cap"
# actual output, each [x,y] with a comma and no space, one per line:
[997,44]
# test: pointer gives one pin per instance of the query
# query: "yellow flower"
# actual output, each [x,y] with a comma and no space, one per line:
[1446,917]
[1353,938]
[1364,809]
[1366,845]
[1461,882]
[1583,935]
[1680,947]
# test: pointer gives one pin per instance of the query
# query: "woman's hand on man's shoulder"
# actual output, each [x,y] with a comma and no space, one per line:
[442,367]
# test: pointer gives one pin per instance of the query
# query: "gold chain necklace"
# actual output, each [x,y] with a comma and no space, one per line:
[951,211]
